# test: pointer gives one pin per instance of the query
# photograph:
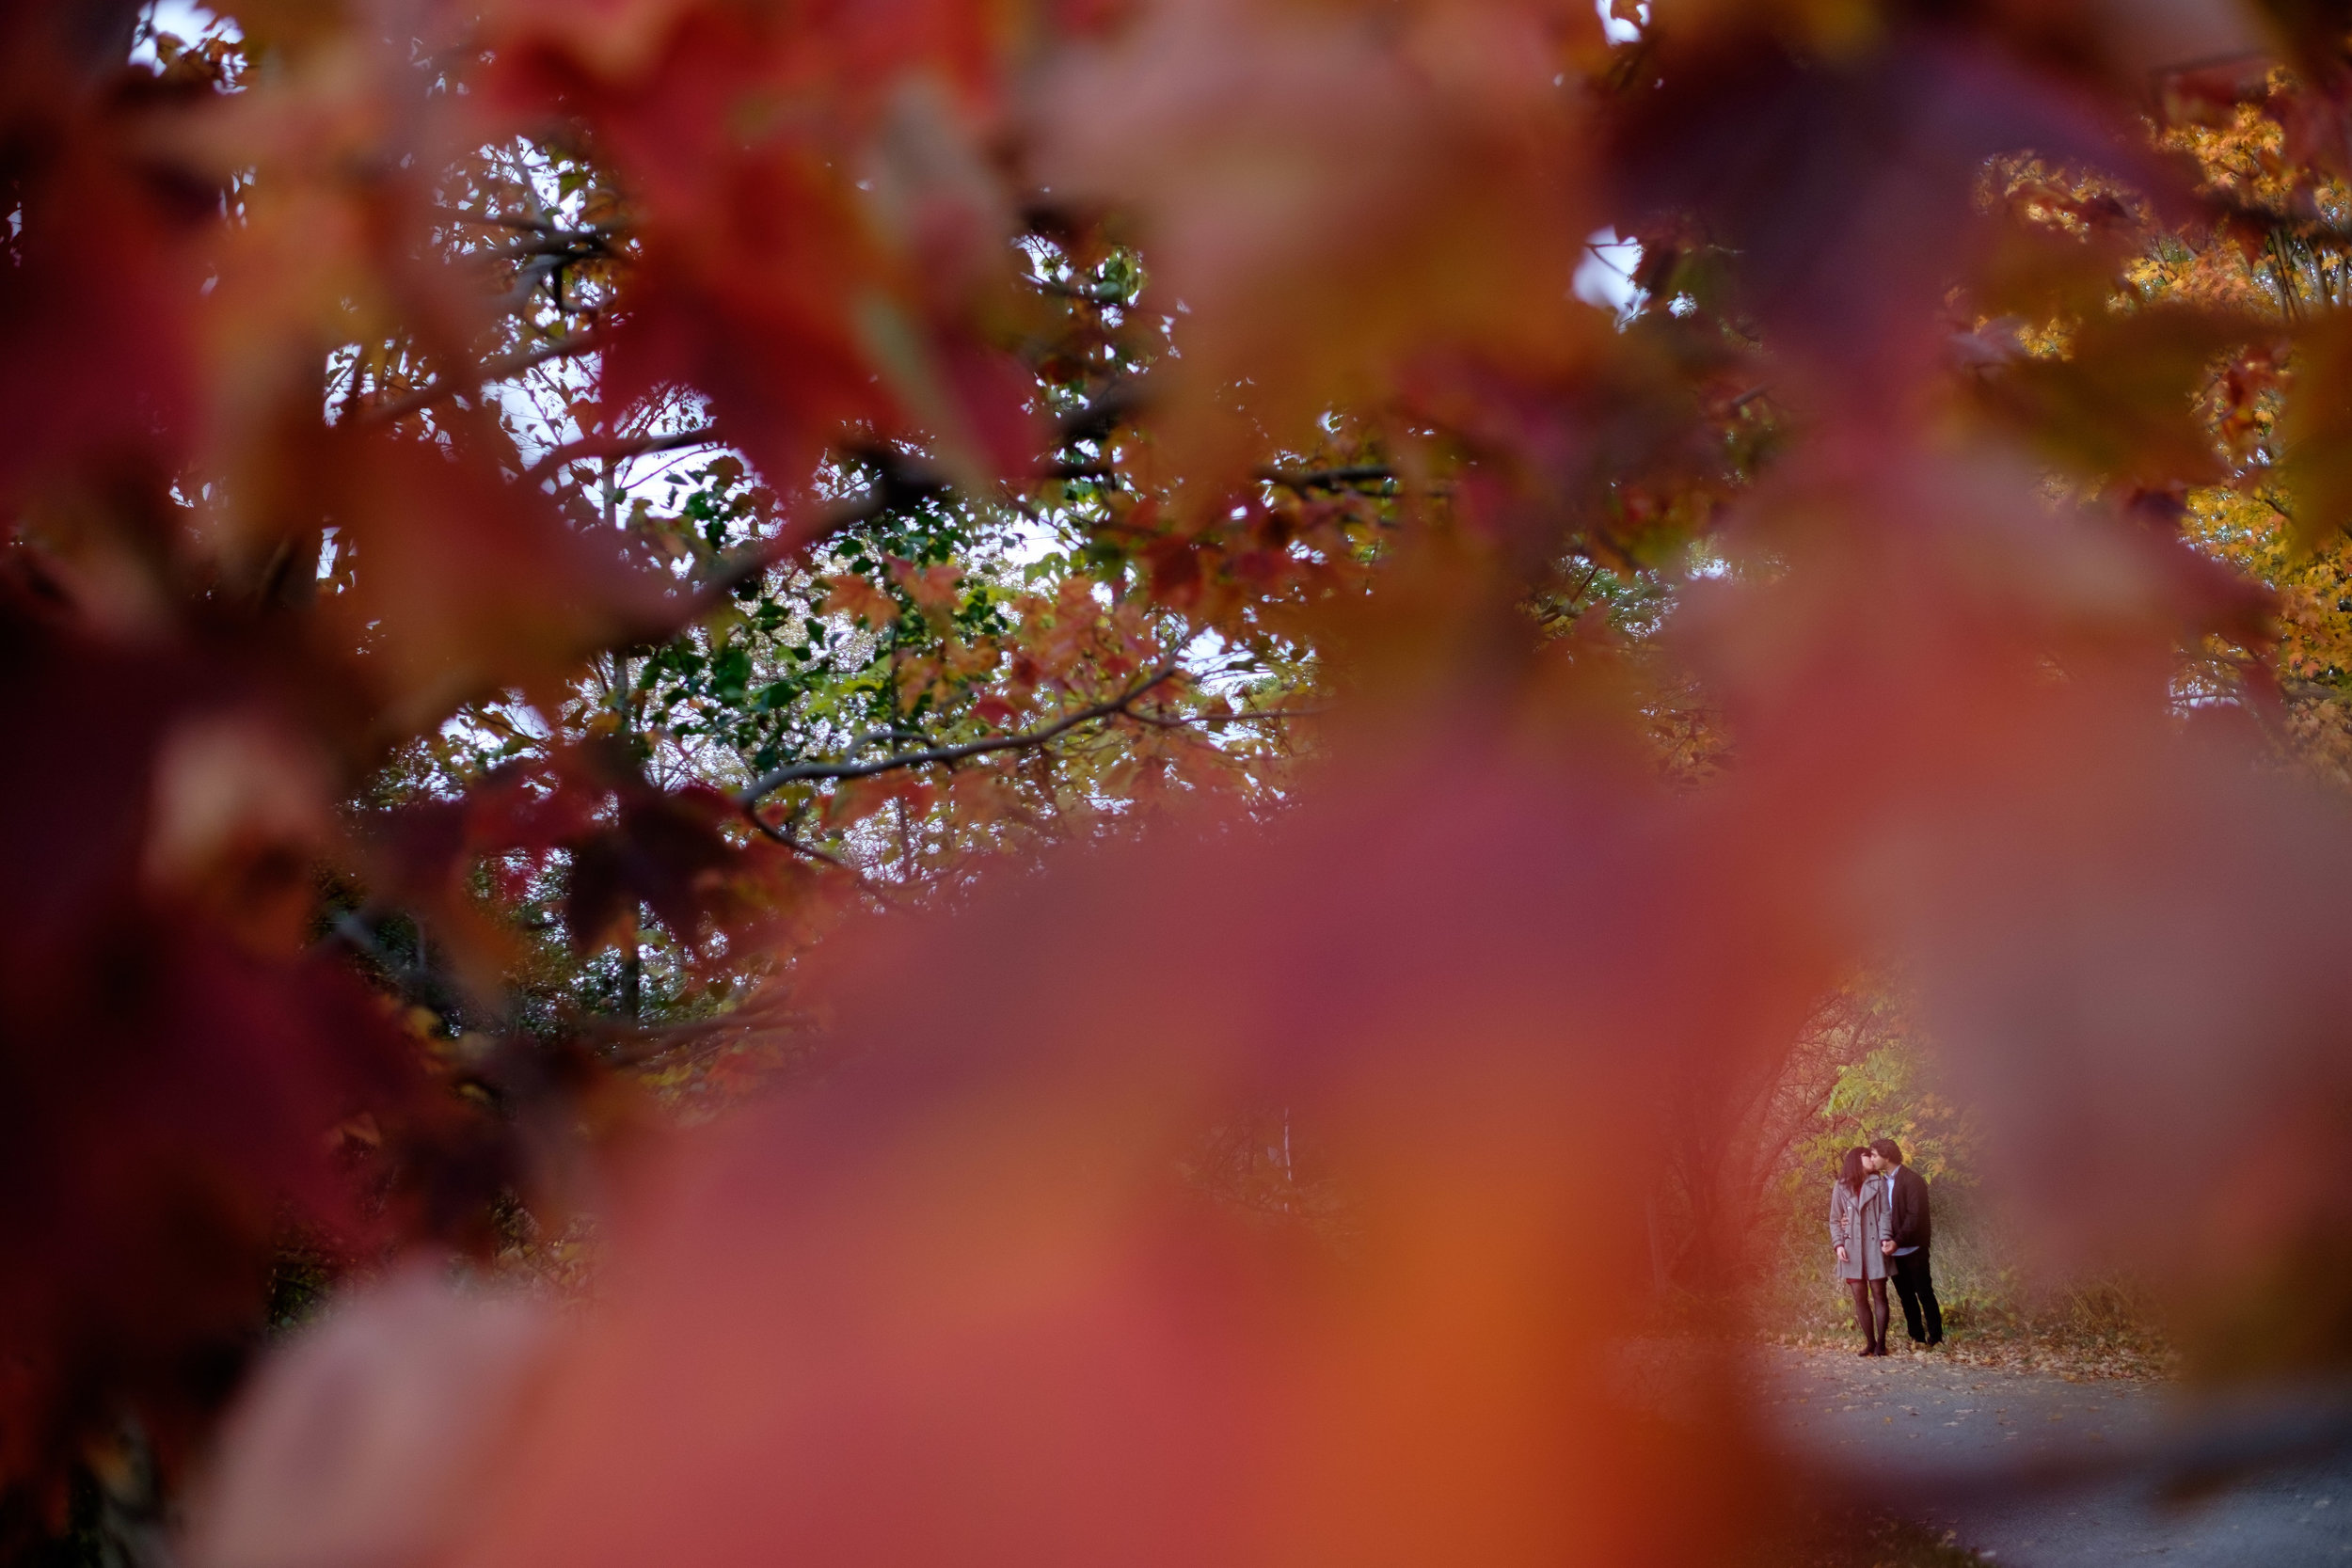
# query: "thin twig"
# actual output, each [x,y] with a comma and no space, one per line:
[570,243]
[617,448]
[792,842]
[1252,714]
[1568,606]
[1182,720]
[767,784]
[479,377]
[528,278]
[414,983]
[750,565]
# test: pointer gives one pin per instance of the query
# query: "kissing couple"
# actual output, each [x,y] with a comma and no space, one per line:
[1879,1225]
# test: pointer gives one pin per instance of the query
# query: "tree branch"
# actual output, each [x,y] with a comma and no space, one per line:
[415,985]
[786,837]
[479,377]
[533,272]
[1110,410]
[767,784]
[901,485]
[1250,716]
[1093,294]
[571,243]
[616,448]
[1345,478]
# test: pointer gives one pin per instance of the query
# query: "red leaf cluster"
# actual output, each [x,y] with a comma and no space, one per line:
[172,1063]
[817,226]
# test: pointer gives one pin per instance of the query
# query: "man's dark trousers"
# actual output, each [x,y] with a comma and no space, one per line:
[1916,1288]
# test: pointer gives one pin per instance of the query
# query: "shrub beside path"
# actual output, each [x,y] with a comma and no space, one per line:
[1916,1425]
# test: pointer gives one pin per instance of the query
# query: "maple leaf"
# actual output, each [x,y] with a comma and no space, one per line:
[847,594]
[665,851]
[935,590]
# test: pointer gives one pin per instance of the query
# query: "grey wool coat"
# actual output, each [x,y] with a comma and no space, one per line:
[1860,1224]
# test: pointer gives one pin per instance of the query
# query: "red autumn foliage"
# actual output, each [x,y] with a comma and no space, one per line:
[971,1271]
[175,1064]
[1873,588]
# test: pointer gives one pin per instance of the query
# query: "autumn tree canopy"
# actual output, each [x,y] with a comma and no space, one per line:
[1007,598]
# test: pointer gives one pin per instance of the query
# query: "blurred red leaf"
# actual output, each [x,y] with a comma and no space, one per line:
[373,1436]
[1921,708]
[1329,202]
[663,850]
[972,1273]
[96,357]
[806,223]
[439,544]
[167,1084]
[1849,193]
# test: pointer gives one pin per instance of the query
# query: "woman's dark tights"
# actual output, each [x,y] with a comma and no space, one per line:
[1869,1310]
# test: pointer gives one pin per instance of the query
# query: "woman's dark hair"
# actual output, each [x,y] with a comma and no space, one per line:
[1851,1173]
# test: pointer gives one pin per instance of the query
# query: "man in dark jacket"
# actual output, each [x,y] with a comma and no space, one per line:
[1908,1233]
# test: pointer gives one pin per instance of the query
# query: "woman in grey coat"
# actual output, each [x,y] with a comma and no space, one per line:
[1857,1229]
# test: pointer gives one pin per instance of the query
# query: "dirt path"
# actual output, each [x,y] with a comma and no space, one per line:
[1914,1422]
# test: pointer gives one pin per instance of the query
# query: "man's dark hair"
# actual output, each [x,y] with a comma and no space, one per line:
[1885,1149]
